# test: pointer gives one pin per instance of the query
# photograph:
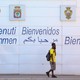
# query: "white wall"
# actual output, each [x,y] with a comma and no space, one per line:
[29,58]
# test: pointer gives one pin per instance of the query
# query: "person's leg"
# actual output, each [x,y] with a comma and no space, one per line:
[52,72]
[47,73]
[53,68]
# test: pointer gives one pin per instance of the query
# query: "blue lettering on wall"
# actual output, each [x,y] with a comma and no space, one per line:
[72,41]
[8,40]
[6,31]
[46,31]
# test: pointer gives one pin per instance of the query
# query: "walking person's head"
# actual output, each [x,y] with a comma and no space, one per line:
[53,45]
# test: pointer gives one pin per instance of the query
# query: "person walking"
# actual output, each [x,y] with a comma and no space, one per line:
[52,61]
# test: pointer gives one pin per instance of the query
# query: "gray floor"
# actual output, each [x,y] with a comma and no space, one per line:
[37,77]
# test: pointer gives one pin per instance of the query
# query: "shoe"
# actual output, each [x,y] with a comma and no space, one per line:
[47,73]
[53,76]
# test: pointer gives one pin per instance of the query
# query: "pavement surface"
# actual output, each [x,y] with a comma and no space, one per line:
[37,77]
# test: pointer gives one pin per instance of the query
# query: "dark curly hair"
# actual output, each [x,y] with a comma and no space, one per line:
[53,45]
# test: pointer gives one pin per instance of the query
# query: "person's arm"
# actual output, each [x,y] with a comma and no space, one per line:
[51,53]
[55,52]
[52,57]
